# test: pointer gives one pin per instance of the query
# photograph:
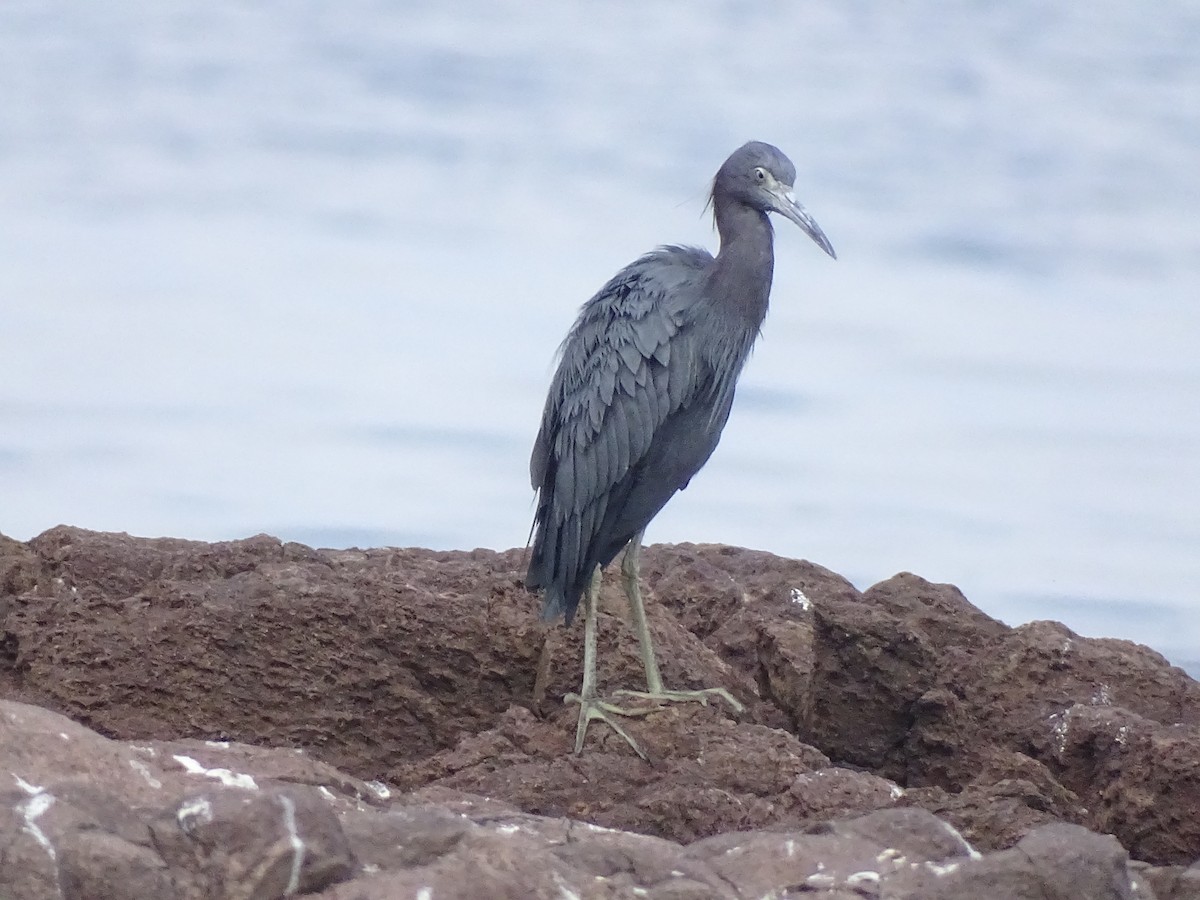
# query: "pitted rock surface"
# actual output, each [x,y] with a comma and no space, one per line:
[258,719]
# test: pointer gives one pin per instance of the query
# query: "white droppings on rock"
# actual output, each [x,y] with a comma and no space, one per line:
[799,599]
[1060,728]
[370,869]
[1102,696]
[864,877]
[220,745]
[940,869]
[1122,735]
[972,853]
[790,848]
[64,735]
[142,769]
[327,793]
[293,833]
[149,751]
[30,789]
[565,891]
[820,880]
[675,873]
[896,791]
[1067,645]
[33,809]
[425,893]
[890,853]
[508,829]
[225,776]
[193,812]
[379,789]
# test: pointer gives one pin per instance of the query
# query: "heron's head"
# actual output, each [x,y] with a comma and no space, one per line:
[760,176]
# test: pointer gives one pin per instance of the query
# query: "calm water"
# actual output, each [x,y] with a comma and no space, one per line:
[301,268]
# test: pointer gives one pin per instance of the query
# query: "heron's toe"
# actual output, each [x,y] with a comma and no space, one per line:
[594,708]
[700,695]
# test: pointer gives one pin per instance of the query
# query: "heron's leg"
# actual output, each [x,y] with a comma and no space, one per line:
[630,570]
[590,706]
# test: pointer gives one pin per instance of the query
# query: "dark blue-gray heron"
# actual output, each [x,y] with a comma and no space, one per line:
[643,388]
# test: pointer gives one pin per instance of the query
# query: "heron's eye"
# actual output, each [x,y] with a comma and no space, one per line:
[760,174]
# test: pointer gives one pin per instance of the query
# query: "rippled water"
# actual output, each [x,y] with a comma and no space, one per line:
[301,268]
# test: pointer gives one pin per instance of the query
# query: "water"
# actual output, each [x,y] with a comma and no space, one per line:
[301,269]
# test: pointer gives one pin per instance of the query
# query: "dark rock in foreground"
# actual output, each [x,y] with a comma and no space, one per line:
[395,688]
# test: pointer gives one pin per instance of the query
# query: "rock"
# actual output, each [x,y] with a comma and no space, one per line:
[1140,778]
[1054,862]
[186,820]
[94,817]
[256,844]
[207,666]
[366,657]
[1170,882]
[706,775]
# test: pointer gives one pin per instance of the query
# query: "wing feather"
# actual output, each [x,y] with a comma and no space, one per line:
[619,428]
[627,366]
[607,386]
[599,469]
[630,354]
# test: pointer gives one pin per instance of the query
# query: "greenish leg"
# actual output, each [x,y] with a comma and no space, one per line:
[590,706]
[630,570]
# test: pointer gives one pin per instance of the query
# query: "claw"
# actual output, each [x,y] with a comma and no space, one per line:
[594,708]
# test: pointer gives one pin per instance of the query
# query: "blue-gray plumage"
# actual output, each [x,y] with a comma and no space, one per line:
[645,384]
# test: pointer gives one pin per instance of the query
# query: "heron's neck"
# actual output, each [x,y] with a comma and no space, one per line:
[741,274]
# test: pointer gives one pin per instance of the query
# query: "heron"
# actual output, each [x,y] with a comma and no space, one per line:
[642,391]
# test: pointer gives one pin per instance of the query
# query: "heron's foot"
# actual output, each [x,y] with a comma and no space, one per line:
[700,696]
[594,708]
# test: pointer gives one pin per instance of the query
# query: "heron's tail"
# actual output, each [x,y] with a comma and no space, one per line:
[556,604]
[540,575]
[554,607]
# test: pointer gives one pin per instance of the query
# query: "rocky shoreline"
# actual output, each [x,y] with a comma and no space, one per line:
[257,719]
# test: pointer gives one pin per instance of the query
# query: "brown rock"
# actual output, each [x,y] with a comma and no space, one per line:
[707,775]
[417,668]
[369,658]
[251,844]
[173,821]
[93,817]
[1054,862]
[1140,778]
[1031,673]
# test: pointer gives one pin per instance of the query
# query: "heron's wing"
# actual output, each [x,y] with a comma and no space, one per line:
[624,367]
[628,365]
